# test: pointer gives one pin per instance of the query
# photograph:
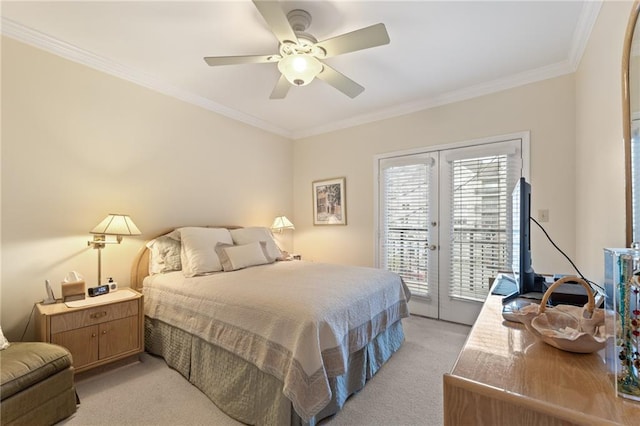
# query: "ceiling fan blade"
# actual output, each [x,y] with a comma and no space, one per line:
[340,81]
[276,19]
[364,38]
[281,89]
[234,60]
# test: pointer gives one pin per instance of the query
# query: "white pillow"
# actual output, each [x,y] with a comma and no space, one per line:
[198,254]
[243,236]
[164,253]
[238,257]
[4,343]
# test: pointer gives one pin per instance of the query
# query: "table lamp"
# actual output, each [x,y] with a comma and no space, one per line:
[281,223]
[114,224]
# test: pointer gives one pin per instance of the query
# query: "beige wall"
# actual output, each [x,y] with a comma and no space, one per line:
[78,144]
[545,108]
[600,219]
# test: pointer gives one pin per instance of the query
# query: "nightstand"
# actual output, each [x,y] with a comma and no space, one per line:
[100,330]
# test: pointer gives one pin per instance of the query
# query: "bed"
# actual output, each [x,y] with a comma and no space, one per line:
[269,341]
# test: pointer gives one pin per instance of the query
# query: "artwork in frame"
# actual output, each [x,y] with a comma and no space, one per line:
[329,202]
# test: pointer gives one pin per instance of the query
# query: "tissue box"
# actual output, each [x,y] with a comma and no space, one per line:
[73,291]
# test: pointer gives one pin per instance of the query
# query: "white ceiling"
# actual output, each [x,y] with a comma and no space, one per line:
[440,52]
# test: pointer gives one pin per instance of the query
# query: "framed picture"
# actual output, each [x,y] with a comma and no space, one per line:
[329,202]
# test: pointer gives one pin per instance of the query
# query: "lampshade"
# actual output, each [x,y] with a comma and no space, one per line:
[299,69]
[281,222]
[116,224]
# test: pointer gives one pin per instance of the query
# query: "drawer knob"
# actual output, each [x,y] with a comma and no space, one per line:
[93,334]
[104,331]
[97,315]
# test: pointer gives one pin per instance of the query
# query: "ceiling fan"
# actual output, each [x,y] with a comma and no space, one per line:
[300,55]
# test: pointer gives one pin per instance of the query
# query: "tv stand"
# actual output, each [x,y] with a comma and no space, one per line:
[504,375]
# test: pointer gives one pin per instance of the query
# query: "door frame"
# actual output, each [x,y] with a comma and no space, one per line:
[525,136]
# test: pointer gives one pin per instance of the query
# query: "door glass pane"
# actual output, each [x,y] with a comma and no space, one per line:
[405,219]
[479,235]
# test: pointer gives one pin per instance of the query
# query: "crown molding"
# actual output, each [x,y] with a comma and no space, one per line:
[482,89]
[586,21]
[73,53]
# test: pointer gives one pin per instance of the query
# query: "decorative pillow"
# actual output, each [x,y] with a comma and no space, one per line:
[238,257]
[198,253]
[164,254]
[255,234]
[4,343]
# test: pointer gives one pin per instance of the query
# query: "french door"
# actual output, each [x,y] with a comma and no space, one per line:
[444,223]
[408,227]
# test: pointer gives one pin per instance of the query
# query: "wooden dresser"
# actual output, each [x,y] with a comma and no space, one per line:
[505,376]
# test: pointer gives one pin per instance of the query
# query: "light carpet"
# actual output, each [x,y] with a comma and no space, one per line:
[406,391]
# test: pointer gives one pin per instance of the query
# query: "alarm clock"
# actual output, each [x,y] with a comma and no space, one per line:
[97,291]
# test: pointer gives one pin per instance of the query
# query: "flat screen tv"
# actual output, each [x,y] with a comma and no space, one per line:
[528,281]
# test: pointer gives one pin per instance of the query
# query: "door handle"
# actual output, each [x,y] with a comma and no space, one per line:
[433,247]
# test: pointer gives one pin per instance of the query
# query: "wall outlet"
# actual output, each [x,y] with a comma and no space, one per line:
[543,215]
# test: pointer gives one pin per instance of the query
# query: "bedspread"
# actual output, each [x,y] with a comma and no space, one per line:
[296,320]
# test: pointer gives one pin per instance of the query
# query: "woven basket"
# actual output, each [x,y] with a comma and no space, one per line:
[570,328]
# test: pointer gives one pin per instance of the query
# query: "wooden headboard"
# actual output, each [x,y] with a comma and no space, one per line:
[140,266]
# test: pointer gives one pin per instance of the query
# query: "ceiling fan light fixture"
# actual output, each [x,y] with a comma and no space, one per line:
[300,69]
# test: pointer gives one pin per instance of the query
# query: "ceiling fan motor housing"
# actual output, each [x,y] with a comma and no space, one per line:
[299,19]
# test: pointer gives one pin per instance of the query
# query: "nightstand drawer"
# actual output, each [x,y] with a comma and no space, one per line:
[91,316]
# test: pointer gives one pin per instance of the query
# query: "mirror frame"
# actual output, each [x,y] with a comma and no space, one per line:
[626,116]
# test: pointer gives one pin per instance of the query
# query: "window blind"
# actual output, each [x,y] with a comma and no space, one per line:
[480,222]
[405,218]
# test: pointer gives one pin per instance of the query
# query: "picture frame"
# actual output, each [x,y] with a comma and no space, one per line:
[329,201]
